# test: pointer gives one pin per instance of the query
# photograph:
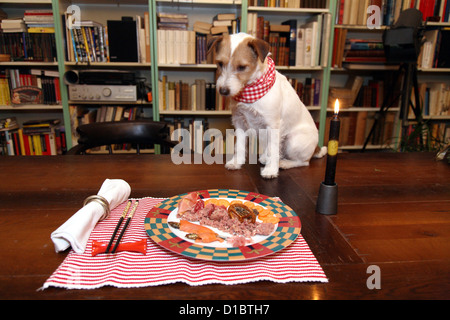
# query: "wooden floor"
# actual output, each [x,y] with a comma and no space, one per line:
[393,213]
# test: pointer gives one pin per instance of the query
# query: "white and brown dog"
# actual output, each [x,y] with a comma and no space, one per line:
[262,98]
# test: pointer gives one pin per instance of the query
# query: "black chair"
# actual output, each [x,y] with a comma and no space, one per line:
[138,133]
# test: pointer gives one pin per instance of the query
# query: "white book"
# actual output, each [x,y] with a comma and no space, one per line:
[300,47]
[308,34]
[192,47]
[325,40]
[162,45]
[177,45]
[169,46]
[194,97]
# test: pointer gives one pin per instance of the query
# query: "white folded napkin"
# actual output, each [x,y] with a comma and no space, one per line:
[75,232]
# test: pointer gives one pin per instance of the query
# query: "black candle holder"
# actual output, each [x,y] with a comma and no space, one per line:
[328,199]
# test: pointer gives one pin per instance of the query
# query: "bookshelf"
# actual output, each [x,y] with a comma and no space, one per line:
[351,27]
[325,70]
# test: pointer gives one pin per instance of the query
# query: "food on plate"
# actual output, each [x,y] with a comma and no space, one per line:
[237,218]
[196,232]
[238,241]
[268,216]
[189,202]
[241,211]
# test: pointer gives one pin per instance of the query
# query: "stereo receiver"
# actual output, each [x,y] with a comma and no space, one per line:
[90,92]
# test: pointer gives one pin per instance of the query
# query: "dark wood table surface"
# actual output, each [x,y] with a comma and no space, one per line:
[394,213]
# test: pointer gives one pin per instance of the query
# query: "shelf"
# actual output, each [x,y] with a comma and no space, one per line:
[438,24]
[435,117]
[139,103]
[109,64]
[28,64]
[368,147]
[361,109]
[112,2]
[289,10]
[210,112]
[195,113]
[37,107]
[212,2]
[131,151]
[26,1]
[436,70]
[366,67]
[294,68]
[187,66]
[359,27]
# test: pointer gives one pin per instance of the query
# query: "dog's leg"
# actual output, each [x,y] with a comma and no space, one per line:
[262,145]
[299,154]
[239,152]
[272,154]
[288,164]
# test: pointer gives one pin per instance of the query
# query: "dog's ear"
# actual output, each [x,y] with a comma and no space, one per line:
[260,47]
[212,43]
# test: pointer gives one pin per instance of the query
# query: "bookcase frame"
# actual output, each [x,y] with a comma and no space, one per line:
[326,73]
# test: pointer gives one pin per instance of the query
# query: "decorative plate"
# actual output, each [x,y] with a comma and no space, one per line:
[286,231]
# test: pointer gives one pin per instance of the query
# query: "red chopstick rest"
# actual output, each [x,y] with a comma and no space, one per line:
[138,246]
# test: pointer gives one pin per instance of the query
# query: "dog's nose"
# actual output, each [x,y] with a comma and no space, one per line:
[224,91]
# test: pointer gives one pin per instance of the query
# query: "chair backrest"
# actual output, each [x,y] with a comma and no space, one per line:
[136,133]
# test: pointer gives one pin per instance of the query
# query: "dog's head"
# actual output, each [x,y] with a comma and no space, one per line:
[240,60]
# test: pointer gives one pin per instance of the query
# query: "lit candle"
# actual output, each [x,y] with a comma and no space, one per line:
[333,144]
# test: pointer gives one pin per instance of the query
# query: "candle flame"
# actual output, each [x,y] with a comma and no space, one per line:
[336,106]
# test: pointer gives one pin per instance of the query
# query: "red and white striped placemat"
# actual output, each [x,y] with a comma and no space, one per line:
[158,266]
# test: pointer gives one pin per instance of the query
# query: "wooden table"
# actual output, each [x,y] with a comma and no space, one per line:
[394,213]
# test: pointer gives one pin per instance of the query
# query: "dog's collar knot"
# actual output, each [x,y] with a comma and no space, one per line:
[258,88]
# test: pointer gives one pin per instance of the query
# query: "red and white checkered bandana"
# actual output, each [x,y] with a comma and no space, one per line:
[258,88]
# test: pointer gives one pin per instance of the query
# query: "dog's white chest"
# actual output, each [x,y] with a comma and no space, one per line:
[249,116]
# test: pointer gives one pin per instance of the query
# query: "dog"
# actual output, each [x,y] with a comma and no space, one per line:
[262,98]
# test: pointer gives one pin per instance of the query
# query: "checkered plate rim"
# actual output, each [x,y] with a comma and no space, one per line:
[286,232]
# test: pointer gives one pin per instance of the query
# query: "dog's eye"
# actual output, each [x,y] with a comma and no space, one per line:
[220,64]
[241,68]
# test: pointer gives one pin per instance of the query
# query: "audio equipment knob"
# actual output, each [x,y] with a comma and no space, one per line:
[106,92]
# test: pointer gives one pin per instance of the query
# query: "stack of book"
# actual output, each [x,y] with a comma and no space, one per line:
[225,23]
[354,12]
[178,95]
[438,9]
[435,97]
[5,93]
[25,46]
[30,87]
[308,91]
[172,21]
[176,46]
[371,95]
[363,51]
[13,25]
[87,42]
[356,53]
[222,23]
[40,137]
[8,128]
[435,52]
[294,44]
[39,21]
[288,3]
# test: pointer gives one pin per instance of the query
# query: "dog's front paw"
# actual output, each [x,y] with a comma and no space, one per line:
[233,165]
[262,159]
[269,173]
